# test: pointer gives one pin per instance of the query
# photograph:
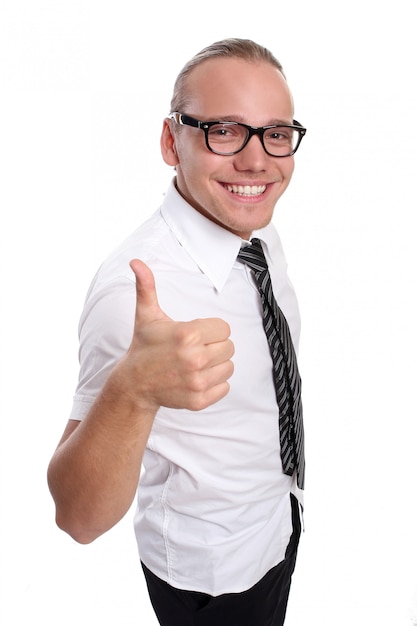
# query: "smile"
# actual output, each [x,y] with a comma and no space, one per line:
[246,190]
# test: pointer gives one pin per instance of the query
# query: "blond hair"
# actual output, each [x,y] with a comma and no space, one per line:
[245,49]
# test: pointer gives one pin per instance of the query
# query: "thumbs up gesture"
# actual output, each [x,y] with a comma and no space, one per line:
[175,364]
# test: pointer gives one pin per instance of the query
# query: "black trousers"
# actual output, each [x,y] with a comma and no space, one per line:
[264,604]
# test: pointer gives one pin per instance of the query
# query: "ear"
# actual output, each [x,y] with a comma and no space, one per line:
[168,147]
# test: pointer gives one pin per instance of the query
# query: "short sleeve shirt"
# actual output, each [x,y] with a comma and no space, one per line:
[213,506]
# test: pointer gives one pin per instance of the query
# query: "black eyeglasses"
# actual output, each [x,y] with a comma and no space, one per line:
[227,138]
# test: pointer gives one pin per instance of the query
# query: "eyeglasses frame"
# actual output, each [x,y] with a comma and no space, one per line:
[186,120]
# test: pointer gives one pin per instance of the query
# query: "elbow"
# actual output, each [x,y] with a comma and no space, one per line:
[80,532]
[73,519]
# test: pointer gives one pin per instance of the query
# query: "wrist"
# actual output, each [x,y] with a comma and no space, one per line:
[125,387]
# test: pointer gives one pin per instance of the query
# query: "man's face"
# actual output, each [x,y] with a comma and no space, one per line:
[234,90]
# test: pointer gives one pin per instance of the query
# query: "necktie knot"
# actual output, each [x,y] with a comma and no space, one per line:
[253,256]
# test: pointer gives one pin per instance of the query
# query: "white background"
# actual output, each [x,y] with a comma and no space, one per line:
[84,87]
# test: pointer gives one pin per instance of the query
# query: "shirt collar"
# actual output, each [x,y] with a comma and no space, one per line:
[213,248]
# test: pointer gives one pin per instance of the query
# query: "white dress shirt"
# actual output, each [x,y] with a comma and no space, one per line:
[214,512]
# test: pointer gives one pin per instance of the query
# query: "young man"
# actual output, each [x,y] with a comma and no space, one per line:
[175,366]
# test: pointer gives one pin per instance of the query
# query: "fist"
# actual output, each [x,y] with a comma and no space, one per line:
[183,365]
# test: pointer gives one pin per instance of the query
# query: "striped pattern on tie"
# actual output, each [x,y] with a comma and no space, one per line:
[285,369]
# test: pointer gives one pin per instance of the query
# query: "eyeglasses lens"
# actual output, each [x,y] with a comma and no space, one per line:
[230,138]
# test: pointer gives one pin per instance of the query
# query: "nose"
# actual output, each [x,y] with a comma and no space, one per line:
[253,156]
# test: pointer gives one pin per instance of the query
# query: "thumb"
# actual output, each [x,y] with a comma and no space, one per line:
[147,305]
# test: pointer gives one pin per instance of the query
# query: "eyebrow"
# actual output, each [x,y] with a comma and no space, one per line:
[240,119]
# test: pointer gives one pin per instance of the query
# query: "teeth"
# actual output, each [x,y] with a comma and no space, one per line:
[247,190]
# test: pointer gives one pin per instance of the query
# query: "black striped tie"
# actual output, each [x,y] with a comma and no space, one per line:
[285,370]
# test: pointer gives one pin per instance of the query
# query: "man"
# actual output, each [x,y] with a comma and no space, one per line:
[191,396]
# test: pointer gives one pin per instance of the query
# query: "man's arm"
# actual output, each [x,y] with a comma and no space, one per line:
[94,472]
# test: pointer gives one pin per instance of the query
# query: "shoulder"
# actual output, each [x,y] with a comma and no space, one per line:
[151,242]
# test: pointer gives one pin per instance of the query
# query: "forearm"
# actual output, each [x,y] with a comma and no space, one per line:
[94,473]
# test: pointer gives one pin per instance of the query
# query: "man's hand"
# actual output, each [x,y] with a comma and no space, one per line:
[175,364]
